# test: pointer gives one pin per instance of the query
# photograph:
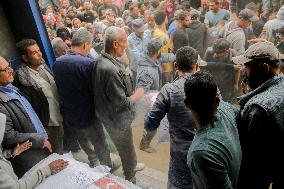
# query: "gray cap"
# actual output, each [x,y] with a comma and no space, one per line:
[194,13]
[247,14]
[178,14]
[258,51]
[138,25]
[155,44]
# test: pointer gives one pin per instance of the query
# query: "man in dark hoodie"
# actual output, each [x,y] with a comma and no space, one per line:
[197,33]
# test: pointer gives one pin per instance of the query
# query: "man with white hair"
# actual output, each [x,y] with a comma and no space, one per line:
[114,98]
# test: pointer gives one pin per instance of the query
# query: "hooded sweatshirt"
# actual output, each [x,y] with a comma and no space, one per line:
[8,179]
[197,34]
[149,75]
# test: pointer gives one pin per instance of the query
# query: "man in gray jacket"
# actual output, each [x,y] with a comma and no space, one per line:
[8,179]
[114,98]
[181,124]
[149,71]
[234,30]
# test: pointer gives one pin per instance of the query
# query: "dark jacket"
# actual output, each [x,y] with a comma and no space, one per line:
[112,87]
[197,36]
[72,74]
[261,129]
[19,128]
[170,102]
[33,93]
[209,56]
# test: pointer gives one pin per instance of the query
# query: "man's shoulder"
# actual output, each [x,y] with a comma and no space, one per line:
[74,57]
[104,64]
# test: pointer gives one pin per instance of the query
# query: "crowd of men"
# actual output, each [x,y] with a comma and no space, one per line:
[111,53]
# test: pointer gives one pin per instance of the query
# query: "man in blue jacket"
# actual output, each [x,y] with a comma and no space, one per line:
[73,78]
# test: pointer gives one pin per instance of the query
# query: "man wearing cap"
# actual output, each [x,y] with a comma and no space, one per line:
[138,41]
[234,30]
[140,37]
[261,118]
[215,14]
[220,52]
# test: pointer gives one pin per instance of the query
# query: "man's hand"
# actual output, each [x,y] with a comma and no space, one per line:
[139,93]
[46,144]
[20,148]
[57,166]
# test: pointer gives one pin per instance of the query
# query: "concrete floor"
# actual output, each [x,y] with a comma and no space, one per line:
[154,176]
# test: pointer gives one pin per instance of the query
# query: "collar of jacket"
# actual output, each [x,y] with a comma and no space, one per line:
[6,98]
[23,75]
[70,52]
[149,62]
[273,81]
[110,57]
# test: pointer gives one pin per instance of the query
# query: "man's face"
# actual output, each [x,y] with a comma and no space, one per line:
[68,20]
[214,6]
[77,24]
[86,6]
[150,21]
[254,75]
[65,4]
[110,16]
[62,12]
[6,73]
[135,11]
[120,24]
[186,22]
[120,45]
[246,23]
[33,56]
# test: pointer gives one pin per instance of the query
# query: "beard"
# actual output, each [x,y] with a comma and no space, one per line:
[255,80]
[38,63]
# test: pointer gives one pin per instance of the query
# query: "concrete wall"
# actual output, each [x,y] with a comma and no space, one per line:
[7,42]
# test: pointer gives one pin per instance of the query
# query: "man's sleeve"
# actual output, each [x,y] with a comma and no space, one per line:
[158,110]
[31,181]
[211,170]
[167,57]
[13,137]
